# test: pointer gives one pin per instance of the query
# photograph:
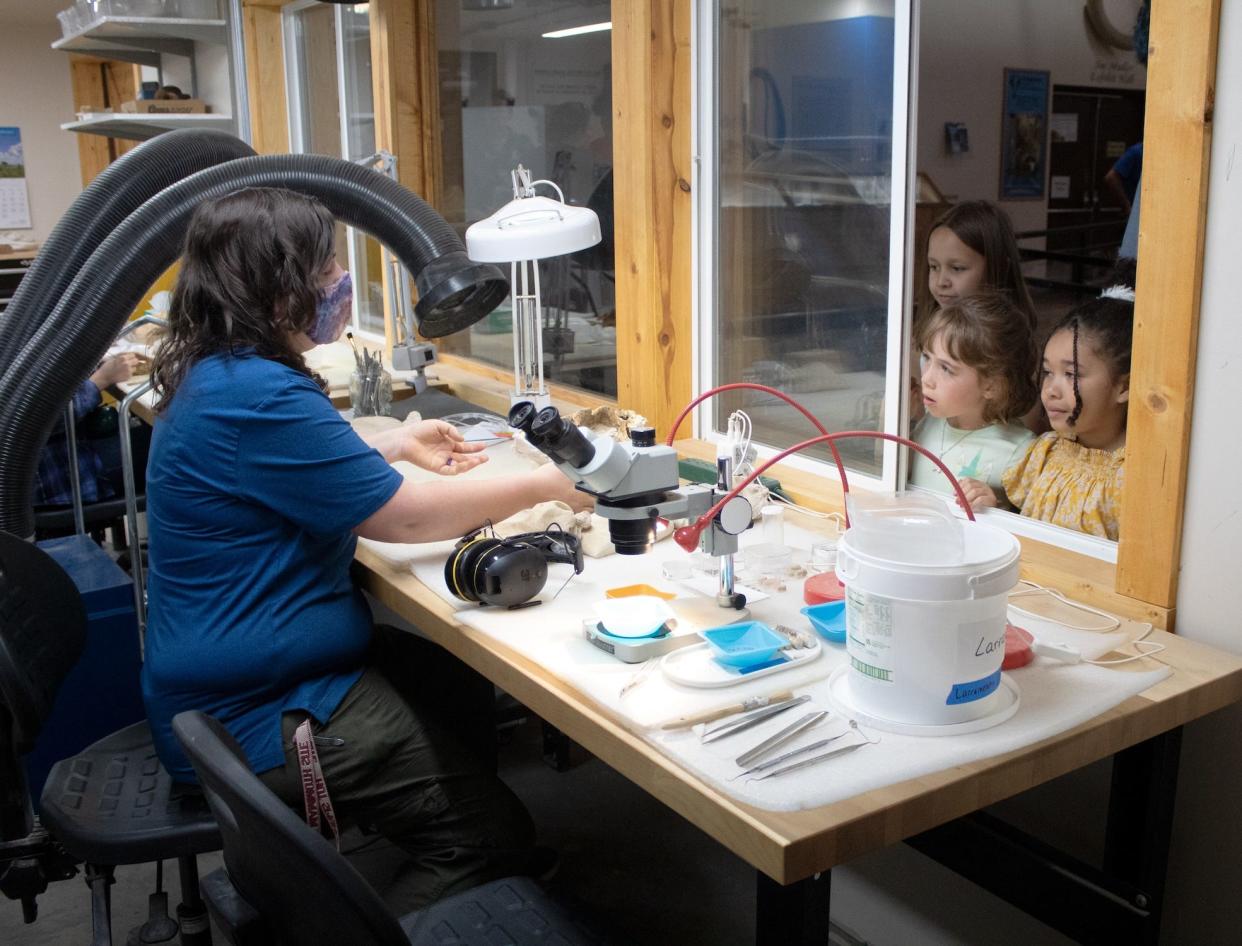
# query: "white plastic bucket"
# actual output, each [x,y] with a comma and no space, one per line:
[926,641]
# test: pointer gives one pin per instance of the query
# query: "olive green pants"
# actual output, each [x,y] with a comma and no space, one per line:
[410,754]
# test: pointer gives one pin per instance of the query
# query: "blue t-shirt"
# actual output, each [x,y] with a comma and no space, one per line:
[254,485]
[1129,168]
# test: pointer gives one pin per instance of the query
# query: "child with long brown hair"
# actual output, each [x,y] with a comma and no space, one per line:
[971,247]
[978,360]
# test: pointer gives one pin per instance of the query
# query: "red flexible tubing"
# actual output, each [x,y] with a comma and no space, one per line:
[688,536]
[751,386]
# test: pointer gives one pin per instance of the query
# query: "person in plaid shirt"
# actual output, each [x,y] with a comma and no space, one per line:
[99,460]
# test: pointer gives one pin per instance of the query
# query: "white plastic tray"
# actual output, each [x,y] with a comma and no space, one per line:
[1008,699]
[696,667]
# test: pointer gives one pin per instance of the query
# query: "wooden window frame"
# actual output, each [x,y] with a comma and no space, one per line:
[652,121]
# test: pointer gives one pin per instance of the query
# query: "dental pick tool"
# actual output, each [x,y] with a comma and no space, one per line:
[742,723]
[780,738]
[813,760]
[822,757]
[785,757]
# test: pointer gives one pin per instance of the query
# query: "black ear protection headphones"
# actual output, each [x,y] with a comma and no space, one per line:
[507,572]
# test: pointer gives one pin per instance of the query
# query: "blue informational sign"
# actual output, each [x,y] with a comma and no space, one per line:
[1024,134]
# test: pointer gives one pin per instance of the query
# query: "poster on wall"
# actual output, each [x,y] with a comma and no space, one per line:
[1024,134]
[14,200]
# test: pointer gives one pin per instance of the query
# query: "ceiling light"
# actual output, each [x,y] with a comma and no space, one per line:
[578,30]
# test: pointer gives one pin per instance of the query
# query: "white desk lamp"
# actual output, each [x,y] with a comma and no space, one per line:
[522,232]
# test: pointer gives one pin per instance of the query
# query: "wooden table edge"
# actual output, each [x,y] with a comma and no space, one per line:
[788,846]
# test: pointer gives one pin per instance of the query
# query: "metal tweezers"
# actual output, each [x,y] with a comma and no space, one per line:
[754,718]
[780,738]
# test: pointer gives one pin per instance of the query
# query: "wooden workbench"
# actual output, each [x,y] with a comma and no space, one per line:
[791,847]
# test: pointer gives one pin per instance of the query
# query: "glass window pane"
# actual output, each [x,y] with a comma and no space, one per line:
[317,98]
[321,75]
[359,135]
[509,95]
[804,118]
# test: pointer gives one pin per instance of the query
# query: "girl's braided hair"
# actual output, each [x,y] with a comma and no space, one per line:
[1108,323]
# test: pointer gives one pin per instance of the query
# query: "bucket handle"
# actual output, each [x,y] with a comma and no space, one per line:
[996,582]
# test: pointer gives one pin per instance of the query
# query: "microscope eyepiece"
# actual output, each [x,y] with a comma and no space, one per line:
[547,423]
[551,434]
[521,415]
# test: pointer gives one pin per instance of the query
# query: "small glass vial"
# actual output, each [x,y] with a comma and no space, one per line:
[772,524]
[370,395]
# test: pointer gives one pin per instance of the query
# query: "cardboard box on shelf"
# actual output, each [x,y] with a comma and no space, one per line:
[165,107]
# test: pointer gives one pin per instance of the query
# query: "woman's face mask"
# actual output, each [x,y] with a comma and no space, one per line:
[333,311]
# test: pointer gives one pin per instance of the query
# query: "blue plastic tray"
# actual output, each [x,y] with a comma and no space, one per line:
[828,619]
[743,645]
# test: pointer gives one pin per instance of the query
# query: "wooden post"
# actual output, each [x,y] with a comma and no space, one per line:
[265,76]
[1181,76]
[652,161]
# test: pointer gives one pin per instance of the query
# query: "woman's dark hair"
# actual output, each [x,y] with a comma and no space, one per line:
[249,278]
[986,229]
[1107,324]
[986,332]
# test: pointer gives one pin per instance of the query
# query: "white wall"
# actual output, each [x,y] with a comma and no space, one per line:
[38,97]
[964,47]
[1206,863]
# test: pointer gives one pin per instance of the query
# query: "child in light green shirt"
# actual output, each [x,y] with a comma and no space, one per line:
[978,360]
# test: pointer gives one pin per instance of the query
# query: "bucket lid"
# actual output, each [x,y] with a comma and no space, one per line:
[989,566]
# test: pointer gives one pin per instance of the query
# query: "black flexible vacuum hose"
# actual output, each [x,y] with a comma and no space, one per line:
[454,292]
[122,187]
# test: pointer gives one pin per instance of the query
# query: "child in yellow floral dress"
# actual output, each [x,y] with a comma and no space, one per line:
[1072,475]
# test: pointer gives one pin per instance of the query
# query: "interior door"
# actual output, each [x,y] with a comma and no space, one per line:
[1090,130]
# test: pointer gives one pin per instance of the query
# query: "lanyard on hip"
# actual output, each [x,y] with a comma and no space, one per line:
[314,788]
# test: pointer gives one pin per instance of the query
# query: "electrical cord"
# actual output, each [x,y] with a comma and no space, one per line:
[751,386]
[1069,654]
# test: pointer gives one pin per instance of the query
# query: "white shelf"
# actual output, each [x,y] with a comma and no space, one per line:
[141,127]
[141,32]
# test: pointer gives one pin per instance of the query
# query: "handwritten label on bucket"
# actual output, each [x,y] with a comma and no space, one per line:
[975,690]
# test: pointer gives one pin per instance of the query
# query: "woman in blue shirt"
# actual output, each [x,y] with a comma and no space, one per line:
[256,492]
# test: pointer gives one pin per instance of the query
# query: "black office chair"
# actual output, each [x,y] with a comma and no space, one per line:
[287,884]
[112,803]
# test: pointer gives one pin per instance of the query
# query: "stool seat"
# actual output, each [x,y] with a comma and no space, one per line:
[114,803]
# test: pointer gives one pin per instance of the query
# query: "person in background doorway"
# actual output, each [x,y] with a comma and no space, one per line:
[1072,476]
[1122,179]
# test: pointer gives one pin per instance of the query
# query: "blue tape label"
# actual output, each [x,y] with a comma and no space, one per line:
[975,690]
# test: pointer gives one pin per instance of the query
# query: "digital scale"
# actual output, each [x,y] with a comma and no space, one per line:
[692,615]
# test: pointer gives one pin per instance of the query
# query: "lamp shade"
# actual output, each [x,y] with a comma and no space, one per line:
[532,228]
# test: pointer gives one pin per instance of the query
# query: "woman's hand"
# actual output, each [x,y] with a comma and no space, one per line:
[978,493]
[552,484]
[440,448]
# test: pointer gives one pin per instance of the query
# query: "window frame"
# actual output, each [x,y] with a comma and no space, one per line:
[656,371]
[292,54]
[706,206]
